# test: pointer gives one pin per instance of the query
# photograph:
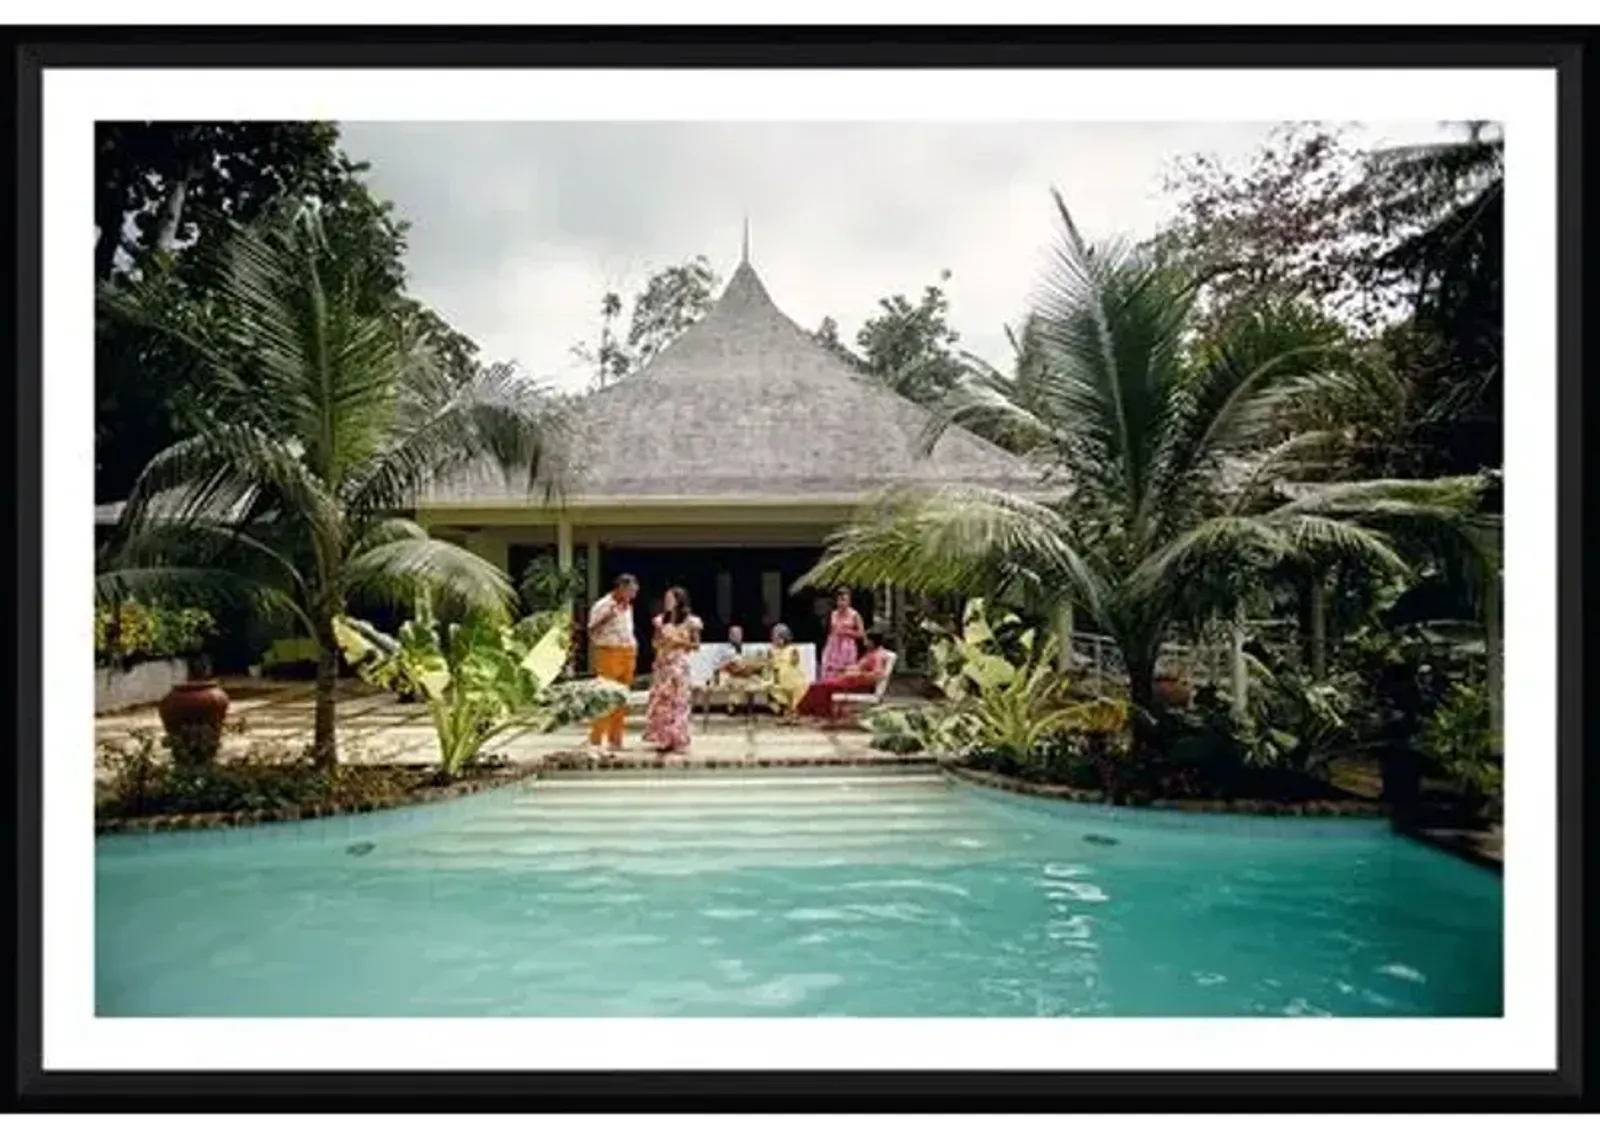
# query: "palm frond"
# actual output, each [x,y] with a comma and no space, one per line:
[1457,495]
[396,571]
[1111,321]
[1231,542]
[980,403]
[386,530]
[958,539]
[498,417]
[225,475]
[1233,401]
[196,586]
[1326,541]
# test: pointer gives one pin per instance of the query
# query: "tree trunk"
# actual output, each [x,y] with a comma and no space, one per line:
[172,212]
[1238,669]
[1141,696]
[325,739]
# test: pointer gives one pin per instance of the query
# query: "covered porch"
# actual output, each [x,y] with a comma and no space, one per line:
[738,562]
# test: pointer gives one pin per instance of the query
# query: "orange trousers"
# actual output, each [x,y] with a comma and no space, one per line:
[615,664]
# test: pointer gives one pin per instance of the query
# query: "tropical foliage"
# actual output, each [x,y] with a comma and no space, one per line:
[168,196]
[129,632]
[1005,698]
[322,420]
[1172,464]
[479,678]
[546,586]
[1458,738]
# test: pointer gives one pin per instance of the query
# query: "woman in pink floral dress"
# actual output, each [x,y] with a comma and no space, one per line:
[845,632]
[677,634]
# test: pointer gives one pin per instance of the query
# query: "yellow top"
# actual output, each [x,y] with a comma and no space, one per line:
[788,681]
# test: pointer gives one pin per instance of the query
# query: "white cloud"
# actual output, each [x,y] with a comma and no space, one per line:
[518,229]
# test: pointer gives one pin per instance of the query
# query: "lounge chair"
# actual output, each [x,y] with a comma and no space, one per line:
[853,703]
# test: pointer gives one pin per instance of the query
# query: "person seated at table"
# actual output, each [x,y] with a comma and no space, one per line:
[859,677]
[734,662]
[786,678]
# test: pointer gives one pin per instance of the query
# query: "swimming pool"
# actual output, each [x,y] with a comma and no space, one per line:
[791,894]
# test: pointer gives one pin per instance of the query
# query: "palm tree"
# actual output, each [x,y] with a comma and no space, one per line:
[1024,387]
[1164,459]
[324,421]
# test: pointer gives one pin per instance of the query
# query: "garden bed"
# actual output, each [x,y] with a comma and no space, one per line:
[233,795]
[1318,807]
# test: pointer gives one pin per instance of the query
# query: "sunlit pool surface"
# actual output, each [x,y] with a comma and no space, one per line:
[792,894]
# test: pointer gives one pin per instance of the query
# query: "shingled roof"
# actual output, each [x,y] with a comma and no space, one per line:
[746,405]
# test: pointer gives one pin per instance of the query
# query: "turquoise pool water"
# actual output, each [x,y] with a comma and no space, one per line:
[790,895]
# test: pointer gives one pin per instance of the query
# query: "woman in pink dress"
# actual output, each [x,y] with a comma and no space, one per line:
[677,634]
[845,632]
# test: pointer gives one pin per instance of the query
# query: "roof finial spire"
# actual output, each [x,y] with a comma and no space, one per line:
[744,250]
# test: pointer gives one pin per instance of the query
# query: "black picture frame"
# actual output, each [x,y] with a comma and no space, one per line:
[35,50]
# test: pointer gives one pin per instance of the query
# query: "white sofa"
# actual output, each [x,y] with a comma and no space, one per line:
[703,663]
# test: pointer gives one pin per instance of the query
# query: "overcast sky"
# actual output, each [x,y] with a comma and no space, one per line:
[518,228]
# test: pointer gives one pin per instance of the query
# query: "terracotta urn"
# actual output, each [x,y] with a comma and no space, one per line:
[193,714]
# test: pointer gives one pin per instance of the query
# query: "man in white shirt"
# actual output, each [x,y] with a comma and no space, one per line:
[614,651]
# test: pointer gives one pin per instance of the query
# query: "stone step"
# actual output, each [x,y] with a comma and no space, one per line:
[690,782]
[691,826]
[539,813]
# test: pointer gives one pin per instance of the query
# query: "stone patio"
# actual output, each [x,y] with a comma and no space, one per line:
[374,727]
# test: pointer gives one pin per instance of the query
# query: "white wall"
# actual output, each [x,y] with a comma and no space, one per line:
[145,683]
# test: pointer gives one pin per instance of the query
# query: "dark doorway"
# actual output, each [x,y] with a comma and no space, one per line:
[750,587]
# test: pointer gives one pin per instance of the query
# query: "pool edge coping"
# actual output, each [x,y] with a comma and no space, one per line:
[1451,842]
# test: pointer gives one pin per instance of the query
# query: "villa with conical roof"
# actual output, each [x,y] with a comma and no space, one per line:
[722,465]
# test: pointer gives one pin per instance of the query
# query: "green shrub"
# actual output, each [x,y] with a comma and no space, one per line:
[133,632]
[143,780]
[1456,736]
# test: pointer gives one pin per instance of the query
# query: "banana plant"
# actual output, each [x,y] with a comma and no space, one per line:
[1001,682]
[975,656]
[478,678]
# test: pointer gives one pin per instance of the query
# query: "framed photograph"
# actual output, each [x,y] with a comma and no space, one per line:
[1169,625]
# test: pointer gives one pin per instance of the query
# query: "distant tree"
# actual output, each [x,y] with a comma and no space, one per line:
[609,361]
[155,181]
[671,301]
[1278,227]
[1404,246]
[910,347]
[827,336]
[1439,213]
[170,197]
[456,353]
[165,195]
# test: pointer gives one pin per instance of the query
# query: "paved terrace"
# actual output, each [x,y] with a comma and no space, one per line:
[374,727]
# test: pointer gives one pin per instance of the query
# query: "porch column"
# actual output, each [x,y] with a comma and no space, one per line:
[564,545]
